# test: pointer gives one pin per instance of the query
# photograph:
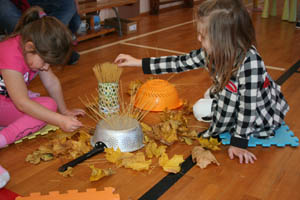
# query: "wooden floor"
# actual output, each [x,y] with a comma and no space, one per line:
[276,173]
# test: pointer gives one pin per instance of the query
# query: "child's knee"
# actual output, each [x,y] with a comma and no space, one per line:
[52,105]
[48,102]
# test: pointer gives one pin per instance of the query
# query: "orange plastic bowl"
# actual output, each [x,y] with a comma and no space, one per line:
[157,95]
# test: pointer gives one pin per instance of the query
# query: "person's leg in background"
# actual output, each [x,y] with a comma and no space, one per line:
[9,16]
[75,23]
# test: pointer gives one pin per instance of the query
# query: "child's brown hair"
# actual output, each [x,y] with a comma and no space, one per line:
[231,34]
[51,38]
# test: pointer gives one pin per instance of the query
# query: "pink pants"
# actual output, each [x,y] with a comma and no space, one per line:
[18,124]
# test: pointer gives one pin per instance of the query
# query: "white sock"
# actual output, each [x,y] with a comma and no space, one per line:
[202,108]
[4,177]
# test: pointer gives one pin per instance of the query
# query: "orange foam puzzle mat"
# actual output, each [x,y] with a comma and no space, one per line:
[89,194]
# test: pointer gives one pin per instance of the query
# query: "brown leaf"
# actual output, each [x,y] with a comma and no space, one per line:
[203,157]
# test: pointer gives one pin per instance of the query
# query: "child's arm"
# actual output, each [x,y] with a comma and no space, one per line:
[127,60]
[53,86]
[17,90]
[165,64]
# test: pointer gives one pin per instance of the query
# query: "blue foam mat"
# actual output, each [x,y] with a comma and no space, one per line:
[283,136]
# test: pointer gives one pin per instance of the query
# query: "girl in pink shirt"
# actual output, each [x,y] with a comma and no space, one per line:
[38,42]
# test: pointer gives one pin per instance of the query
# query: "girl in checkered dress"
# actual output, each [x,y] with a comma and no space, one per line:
[244,100]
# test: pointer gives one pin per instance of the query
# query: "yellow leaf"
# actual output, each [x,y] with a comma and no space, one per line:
[193,133]
[172,165]
[33,159]
[153,150]
[146,139]
[47,156]
[84,136]
[45,149]
[63,136]
[188,141]
[145,127]
[68,172]
[209,143]
[136,162]
[97,173]
[112,155]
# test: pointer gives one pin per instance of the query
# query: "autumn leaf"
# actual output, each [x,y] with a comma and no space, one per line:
[112,155]
[128,160]
[172,165]
[33,158]
[203,157]
[37,156]
[136,162]
[63,136]
[209,143]
[97,173]
[70,145]
[47,156]
[45,149]
[187,140]
[145,127]
[68,172]
[146,139]
[152,149]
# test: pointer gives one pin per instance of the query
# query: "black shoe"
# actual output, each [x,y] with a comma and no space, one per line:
[298,25]
[73,58]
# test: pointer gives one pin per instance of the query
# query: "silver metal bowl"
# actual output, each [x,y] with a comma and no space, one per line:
[125,135]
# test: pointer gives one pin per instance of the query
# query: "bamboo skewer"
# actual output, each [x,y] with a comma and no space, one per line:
[107,73]
[119,120]
[172,76]
[110,73]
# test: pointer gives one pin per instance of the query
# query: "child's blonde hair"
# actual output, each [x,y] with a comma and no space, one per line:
[51,38]
[230,33]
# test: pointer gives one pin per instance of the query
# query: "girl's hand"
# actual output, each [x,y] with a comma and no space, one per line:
[69,124]
[127,60]
[242,154]
[74,112]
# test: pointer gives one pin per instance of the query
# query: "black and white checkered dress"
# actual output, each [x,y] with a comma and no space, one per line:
[251,103]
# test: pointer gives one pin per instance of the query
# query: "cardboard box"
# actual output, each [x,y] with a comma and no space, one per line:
[127,26]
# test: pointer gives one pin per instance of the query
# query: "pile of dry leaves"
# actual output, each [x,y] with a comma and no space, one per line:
[174,127]
[69,145]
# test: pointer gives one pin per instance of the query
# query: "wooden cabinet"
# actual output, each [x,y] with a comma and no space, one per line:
[154,4]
